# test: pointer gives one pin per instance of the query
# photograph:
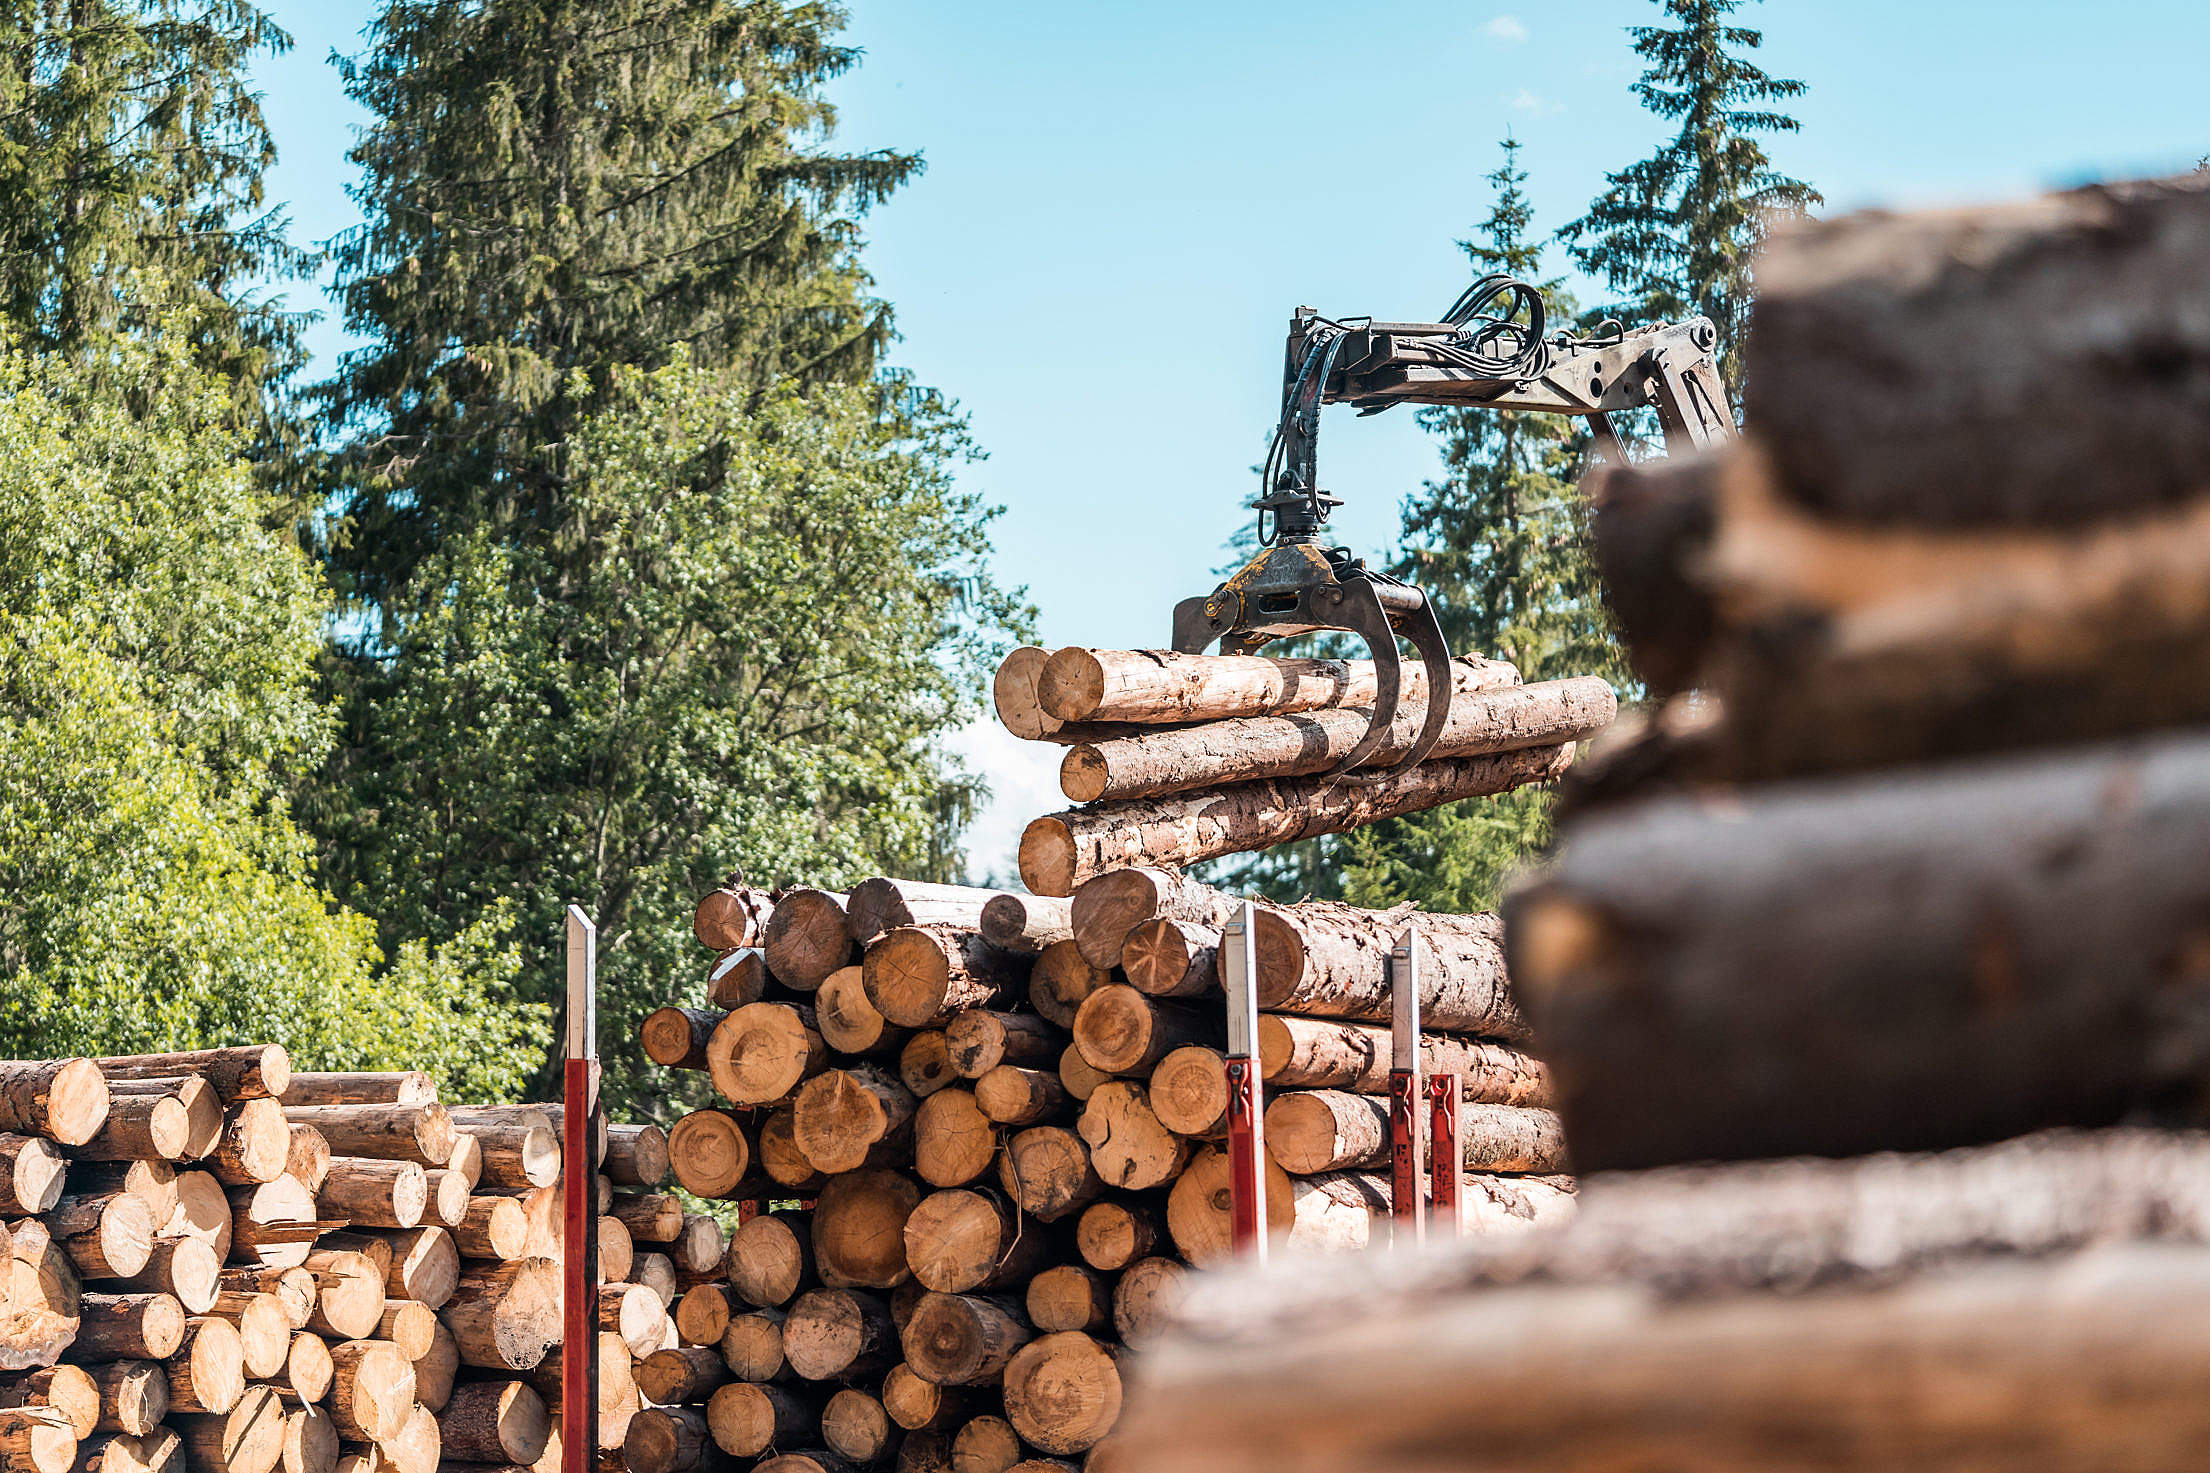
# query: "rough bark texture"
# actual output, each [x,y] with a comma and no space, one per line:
[636,1155]
[129,1327]
[1941,988]
[1323,959]
[1263,747]
[252,1071]
[1149,686]
[1319,1130]
[64,1100]
[884,904]
[396,1087]
[1059,851]
[1650,526]
[1327,1053]
[2089,370]
[419,1133]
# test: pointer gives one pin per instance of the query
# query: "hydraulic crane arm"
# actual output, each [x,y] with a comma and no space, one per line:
[1489,352]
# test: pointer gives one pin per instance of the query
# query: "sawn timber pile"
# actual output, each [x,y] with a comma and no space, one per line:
[223,1265]
[980,1136]
[1179,758]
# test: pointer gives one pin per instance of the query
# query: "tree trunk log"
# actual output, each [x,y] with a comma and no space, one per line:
[425,1265]
[1320,1130]
[505,1318]
[770,1258]
[203,1212]
[1146,1298]
[745,1419]
[138,1127]
[1650,526]
[919,976]
[780,1157]
[519,1155]
[1026,923]
[497,1422]
[352,1297]
[753,1346]
[1080,1077]
[129,1327]
[389,1194]
[1325,1053]
[1257,748]
[737,979]
[1153,686]
[493,1227]
[309,1370]
[711,1155]
[310,1441]
[1046,1169]
[636,1155]
[761,1053]
[418,1133]
[847,1118]
[130,1396]
[856,1428]
[859,1229]
[808,938]
[406,1324]
[273,1225]
[651,1217]
[1129,1148]
[1014,695]
[64,1100]
[849,1021]
[839,1334]
[1163,958]
[1973,952]
[107,1236]
[925,1063]
[248,1438]
[957,1241]
[1120,1031]
[184,1267]
[675,1038]
[1068,1296]
[1189,1092]
[666,1440]
[1328,960]
[1107,907]
[398,1087]
[1061,850]
[1061,978]
[1063,1392]
[207,1374]
[294,1290]
[964,1339]
[702,1314]
[1112,1235]
[953,1141]
[154,1181]
[916,1403]
[1010,1095]
[985,1445]
[2088,391]
[882,904]
[732,916]
[979,1040]
[66,1391]
[307,1157]
[251,1072]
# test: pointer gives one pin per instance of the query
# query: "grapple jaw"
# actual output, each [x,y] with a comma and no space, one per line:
[1295,588]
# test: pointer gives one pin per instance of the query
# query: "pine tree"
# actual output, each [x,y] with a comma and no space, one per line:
[1674,234]
[555,188]
[132,155]
[1500,544]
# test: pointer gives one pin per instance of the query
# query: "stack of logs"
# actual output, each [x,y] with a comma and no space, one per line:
[986,1129]
[1904,883]
[1180,758]
[218,1262]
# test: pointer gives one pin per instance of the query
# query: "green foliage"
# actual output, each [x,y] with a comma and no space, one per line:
[132,150]
[562,185]
[775,613]
[1675,234]
[157,635]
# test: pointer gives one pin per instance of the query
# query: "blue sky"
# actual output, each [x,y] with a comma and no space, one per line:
[1123,202]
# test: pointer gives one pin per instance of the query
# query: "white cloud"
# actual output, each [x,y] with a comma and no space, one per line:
[1024,784]
[1509,29]
[1525,101]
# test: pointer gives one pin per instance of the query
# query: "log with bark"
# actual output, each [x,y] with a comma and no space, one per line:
[1027,923]
[919,976]
[808,937]
[1153,686]
[1059,851]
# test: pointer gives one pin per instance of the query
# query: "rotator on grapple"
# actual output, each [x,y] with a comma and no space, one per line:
[1490,351]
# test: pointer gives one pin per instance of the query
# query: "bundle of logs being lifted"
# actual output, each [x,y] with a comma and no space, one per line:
[1004,1116]
[220,1265]
[1179,758]
[1915,859]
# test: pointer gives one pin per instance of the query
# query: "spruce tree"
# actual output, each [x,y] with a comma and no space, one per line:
[132,155]
[657,571]
[553,189]
[1673,235]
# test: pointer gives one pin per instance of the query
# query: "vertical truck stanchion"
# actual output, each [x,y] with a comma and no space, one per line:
[1405,1095]
[579,1362]
[1246,1120]
[1444,1154]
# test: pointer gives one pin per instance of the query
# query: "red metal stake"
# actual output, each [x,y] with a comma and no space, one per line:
[1442,1141]
[579,1362]
[1406,1099]
[1246,1115]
